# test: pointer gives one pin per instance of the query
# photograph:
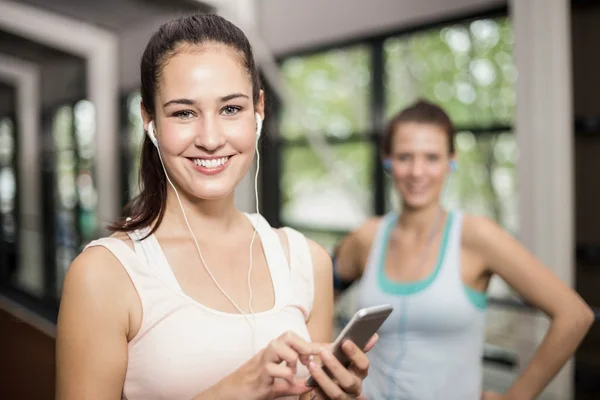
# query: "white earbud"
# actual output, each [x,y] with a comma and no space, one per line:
[151,134]
[258,124]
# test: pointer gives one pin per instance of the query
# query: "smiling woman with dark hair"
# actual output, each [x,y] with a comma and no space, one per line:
[191,298]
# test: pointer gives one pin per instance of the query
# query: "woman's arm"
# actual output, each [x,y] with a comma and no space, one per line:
[351,255]
[346,382]
[320,320]
[91,339]
[571,317]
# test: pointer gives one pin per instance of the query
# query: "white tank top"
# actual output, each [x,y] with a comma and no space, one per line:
[184,347]
[430,347]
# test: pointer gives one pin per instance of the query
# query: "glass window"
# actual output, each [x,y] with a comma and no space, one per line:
[76,198]
[329,93]
[466,68]
[315,198]
[8,184]
[85,134]
[67,235]
[9,257]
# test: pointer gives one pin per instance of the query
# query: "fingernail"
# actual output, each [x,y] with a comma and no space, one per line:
[326,354]
[313,366]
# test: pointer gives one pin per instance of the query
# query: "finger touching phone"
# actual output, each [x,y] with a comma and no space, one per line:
[363,325]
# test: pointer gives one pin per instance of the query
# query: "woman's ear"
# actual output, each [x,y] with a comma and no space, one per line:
[146,116]
[259,107]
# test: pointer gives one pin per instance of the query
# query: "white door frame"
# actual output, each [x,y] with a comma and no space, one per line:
[99,48]
[25,77]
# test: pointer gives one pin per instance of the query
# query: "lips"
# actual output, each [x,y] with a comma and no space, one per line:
[210,166]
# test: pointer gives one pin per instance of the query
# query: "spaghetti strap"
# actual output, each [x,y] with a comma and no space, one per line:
[301,271]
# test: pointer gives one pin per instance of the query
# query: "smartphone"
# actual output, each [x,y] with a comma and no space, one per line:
[363,325]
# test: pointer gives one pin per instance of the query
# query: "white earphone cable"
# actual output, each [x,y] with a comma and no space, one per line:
[256,226]
[252,326]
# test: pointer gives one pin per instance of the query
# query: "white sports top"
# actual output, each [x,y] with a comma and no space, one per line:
[184,347]
[430,347]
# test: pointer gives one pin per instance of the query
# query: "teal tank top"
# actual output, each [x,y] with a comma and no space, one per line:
[430,348]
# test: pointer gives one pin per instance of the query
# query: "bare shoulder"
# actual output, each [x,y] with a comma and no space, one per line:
[97,266]
[320,257]
[97,283]
[479,229]
[366,232]
[95,272]
[357,244]
[487,239]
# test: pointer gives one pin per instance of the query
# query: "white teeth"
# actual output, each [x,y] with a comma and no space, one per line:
[214,163]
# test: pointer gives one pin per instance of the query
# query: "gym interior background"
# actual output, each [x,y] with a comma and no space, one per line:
[519,78]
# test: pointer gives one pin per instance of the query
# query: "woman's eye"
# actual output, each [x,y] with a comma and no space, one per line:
[230,110]
[185,114]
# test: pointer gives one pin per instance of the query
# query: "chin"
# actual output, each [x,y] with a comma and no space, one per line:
[419,202]
[212,190]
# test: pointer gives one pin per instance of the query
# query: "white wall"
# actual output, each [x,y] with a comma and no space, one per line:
[288,25]
[132,43]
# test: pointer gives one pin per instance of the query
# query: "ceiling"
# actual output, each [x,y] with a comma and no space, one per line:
[26,49]
[116,15]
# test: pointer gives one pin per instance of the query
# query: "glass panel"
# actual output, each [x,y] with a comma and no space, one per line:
[466,68]
[67,235]
[136,137]
[8,191]
[8,184]
[329,93]
[85,130]
[7,142]
[486,180]
[493,71]
[316,199]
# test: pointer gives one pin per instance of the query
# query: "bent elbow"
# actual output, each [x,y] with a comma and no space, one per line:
[584,318]
[589,316]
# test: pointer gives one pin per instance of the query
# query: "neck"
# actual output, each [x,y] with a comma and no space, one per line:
[420,221]
[215,217]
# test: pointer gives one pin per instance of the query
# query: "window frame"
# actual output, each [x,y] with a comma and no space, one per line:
[274,144]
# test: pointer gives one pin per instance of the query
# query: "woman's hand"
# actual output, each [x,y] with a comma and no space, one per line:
[271,372]
[345,383]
